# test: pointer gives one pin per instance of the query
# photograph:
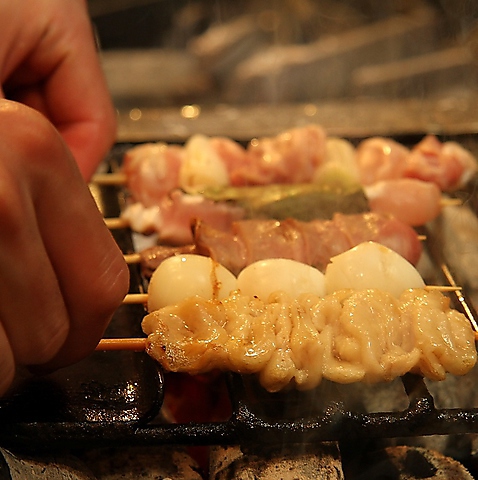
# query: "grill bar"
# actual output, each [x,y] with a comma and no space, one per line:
[334,421]
[421,418]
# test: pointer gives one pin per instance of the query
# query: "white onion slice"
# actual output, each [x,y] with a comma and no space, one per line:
[340,166]
[202,166]
[264,277]
[371,265]
[183,276]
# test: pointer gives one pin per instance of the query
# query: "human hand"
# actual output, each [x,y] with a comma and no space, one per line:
[48,61]
[62,274]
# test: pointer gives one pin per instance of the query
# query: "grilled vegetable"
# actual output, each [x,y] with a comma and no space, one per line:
[303,202]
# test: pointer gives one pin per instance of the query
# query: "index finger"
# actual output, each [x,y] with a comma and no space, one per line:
[90,270]
[63,79]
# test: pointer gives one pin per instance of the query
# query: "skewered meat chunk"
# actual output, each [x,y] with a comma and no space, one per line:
[348,336]
[445,164]
[290,171]
[414,202]
[290,157]
[313,243]
[152,170]
[298,155]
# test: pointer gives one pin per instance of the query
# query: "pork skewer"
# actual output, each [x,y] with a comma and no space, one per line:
[144,220]
[312,242]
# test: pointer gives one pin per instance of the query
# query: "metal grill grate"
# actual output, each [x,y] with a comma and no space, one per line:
[115,398]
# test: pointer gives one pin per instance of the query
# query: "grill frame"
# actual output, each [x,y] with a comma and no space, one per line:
[245,426]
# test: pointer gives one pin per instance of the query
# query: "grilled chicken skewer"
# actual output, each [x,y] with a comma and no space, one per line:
[287,321]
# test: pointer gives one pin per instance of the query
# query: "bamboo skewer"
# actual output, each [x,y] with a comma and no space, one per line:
[138,344]
[132,258]
[135,298]
[116,223]
[450,202]
[142,298]
[443,288]
[114,179]
[132,344]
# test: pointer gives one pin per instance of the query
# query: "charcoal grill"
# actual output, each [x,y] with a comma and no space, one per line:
[114,399]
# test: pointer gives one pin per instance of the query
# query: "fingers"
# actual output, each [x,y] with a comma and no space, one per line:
[53,66]
[76,93]
[32,311]
[63,275]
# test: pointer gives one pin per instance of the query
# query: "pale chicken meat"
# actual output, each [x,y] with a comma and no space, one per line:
[412,201]
[152,171]
[380,158]
[407,183]
[448,165]
[297,155]
[347,336]
[173,216]
[290,157]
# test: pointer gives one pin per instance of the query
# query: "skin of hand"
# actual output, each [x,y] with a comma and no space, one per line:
[49,61]
[63,275]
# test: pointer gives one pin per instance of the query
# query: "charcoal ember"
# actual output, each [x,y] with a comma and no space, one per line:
[147,463]
[101,464]
[406,463]
[292,462]
[53,467]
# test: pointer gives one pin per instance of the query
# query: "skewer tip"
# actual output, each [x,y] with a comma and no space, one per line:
[130,344]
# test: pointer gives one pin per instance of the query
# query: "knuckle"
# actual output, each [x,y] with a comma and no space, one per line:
[112,281]
[34,138]
[43,347]
[12,206]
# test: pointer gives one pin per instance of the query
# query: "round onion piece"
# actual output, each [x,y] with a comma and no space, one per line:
[264,277]
[371,265]
[183,276]
[340,167]
[202,166]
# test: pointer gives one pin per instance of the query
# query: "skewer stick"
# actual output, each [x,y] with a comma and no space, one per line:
[135,298]
[109,178]
[137,344]
[116,223]
[443,288]
[450,202]
[132,258]
[142,298]
[132,344]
